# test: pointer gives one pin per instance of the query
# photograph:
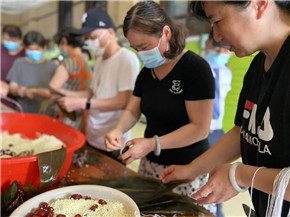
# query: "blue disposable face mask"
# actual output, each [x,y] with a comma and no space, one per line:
[10,45]
[215,59]
[34,55]
[151,58]
[63,53]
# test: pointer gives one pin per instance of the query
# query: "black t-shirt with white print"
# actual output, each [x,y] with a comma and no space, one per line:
[264,116]
[163,103]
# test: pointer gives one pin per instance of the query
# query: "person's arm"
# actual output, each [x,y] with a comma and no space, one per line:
[4,89]
[14,89]
[128,119]
[17,90]
[264,179]
[59,78]
[226,150]
[219,187]
[130,115]
[78,100]
[115,103]
[200,114]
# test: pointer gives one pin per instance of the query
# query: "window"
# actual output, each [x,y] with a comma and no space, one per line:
[65,14]
[180,11]
[96,4]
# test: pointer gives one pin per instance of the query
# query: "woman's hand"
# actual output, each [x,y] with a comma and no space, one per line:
[4,89]
[21,91]
[113,140]
[218,188]
[72,103]
[138,148]
[176,172]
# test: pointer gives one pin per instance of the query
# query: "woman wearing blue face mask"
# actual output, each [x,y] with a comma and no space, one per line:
[29,71]
[174,90]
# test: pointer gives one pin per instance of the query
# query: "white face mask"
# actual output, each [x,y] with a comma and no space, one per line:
[94,45]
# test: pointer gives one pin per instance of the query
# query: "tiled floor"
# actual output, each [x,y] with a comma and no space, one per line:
[231,208]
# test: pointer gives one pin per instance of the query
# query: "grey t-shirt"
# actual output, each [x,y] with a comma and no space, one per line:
[29,74]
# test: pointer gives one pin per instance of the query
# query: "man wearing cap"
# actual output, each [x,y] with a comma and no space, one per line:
[114,77]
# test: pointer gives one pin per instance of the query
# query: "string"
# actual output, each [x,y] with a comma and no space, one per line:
[252,186]
[279,188]
[268,204]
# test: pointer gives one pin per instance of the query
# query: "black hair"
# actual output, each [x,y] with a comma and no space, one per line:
[72,40]
[198,10]
[12,30]
[87,52]
[33,37]
[149,17]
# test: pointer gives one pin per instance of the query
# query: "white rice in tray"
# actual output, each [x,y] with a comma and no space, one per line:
[80,207]
[71,207]
[14,145]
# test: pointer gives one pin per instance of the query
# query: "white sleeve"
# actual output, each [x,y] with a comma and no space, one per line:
[128,71]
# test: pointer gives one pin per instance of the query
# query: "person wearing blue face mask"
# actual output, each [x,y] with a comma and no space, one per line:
[30,71]
[175,92]
[11,48]
[218,57]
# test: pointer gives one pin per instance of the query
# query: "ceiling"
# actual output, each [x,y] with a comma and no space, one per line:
[16,7]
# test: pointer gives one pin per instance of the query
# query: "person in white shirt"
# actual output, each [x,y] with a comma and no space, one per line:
[114,78]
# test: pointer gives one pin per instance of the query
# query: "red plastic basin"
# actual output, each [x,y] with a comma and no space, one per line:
[25,169]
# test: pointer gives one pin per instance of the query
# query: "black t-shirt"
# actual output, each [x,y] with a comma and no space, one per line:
[264,116]
[163,103]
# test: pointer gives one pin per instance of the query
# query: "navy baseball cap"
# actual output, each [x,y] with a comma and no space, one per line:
[93,19]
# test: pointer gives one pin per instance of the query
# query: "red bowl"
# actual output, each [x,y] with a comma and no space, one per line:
[25,169]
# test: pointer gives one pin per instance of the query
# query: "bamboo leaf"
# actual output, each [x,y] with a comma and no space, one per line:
[46,104]
[9,196]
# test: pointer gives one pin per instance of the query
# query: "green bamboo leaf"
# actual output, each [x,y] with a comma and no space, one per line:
[70,115]
[46,104]
[47,87]
[9,196]
[151,195]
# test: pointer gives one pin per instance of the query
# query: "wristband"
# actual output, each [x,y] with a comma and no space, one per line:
[158,146]
[232,175]
[88,104]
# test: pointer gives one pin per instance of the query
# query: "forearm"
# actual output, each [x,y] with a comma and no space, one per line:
[127,120]
[13,88]
[226,150]
[112,104]
[184,136]
[263,179]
